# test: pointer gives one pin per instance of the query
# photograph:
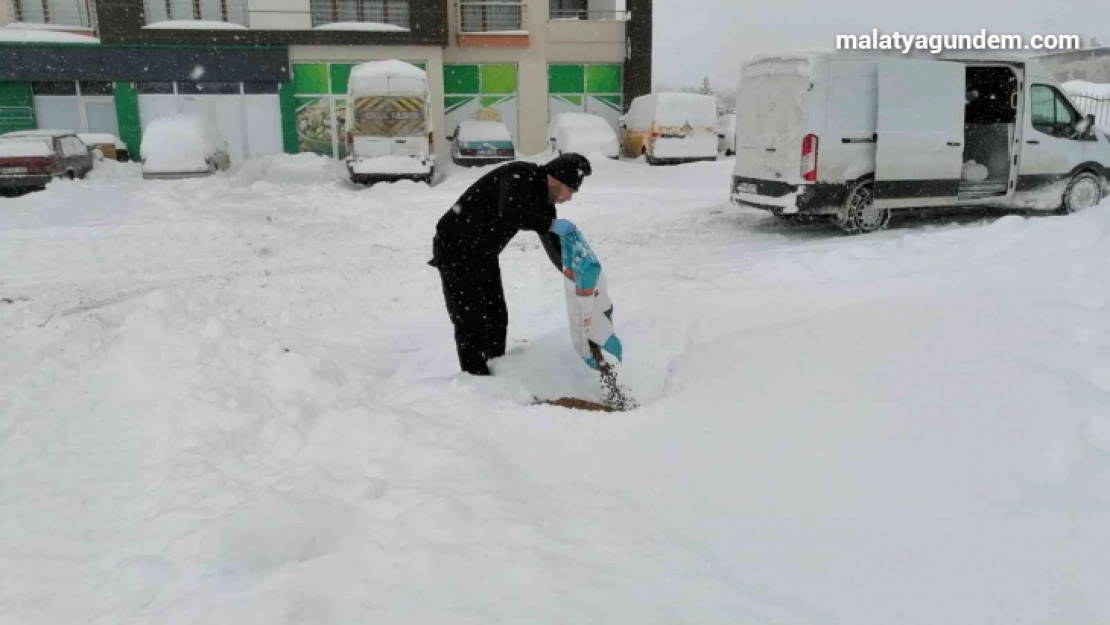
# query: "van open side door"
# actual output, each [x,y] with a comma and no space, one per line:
[919,156]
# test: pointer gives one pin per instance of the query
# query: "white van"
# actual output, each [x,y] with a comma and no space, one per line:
[857,136]
[670,128]
[388,123]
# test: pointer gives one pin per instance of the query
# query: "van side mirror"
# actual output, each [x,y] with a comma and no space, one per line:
[1084,126]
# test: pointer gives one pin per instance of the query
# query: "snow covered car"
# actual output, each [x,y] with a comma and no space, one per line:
[109,145]
[478,143]
[183,146]
[388,123]
[726,134]
[32,158]
[669,128]
[583,133]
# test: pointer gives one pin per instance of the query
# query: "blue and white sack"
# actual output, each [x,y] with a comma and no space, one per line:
[588,306]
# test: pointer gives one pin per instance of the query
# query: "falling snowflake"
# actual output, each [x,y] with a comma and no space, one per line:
[197,73]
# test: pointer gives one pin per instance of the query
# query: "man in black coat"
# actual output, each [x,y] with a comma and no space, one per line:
[473,233]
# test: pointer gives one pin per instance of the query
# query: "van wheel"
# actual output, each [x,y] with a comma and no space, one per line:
[1083,192]
[859,215]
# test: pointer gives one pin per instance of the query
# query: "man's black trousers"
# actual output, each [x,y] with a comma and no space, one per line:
[476,303]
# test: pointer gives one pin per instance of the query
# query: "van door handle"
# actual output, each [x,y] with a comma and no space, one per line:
[954,144]
[1033,142]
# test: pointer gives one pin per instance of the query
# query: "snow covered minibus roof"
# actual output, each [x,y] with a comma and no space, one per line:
[387,77]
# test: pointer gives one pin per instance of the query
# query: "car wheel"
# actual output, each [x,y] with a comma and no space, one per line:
[1083,191]
[859,215]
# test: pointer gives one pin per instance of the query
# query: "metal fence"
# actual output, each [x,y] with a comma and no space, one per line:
[392,12]
[230,11]
[493,16]
[81,13]
[1099,106]
[574,14]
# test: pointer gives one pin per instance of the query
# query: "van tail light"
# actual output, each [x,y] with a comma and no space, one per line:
[350,142]
[431,143]
[655,135]
[809,158]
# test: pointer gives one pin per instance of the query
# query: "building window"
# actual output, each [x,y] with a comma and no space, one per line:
[487,16]
[208,88]
[97,88]
[569,9]
[392,12]
[154,88]
[232,11]
[54,88]
[81,13]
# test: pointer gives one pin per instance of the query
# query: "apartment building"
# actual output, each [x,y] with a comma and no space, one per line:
[274,72]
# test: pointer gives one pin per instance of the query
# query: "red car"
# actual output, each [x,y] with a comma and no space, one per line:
[32,158]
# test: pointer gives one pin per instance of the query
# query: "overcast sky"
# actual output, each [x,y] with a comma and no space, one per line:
[710,37]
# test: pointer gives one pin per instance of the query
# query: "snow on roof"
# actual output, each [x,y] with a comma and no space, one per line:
[372,27]
[483,131]
[94,137]
[39,133]
[579,120]
[194,25]
[25,147]
[62,27]
[32,35]
[178,134]
[392,67]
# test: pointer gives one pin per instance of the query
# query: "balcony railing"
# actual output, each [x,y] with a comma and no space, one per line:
[230,11]
[391,12]
[491,16]
[77,13]
[575,14]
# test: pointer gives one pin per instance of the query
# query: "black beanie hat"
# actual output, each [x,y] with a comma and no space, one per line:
[569,169]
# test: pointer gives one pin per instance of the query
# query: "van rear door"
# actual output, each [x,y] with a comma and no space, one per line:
[918,161]
[771,119]
[393,121]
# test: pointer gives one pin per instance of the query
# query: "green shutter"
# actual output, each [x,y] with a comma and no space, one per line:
[340,74]
[603,79]
[310,78]
[498,79]
[460,79]
[288,105]
[128,120]
[17,110]
[566,79]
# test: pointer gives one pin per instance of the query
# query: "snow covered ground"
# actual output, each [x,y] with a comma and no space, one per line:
[236,400]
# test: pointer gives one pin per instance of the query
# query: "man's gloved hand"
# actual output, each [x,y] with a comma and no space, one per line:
[562,227]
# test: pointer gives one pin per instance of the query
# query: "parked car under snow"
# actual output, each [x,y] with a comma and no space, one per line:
[32,158]
[183,146]
[583,133]
[477,143]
